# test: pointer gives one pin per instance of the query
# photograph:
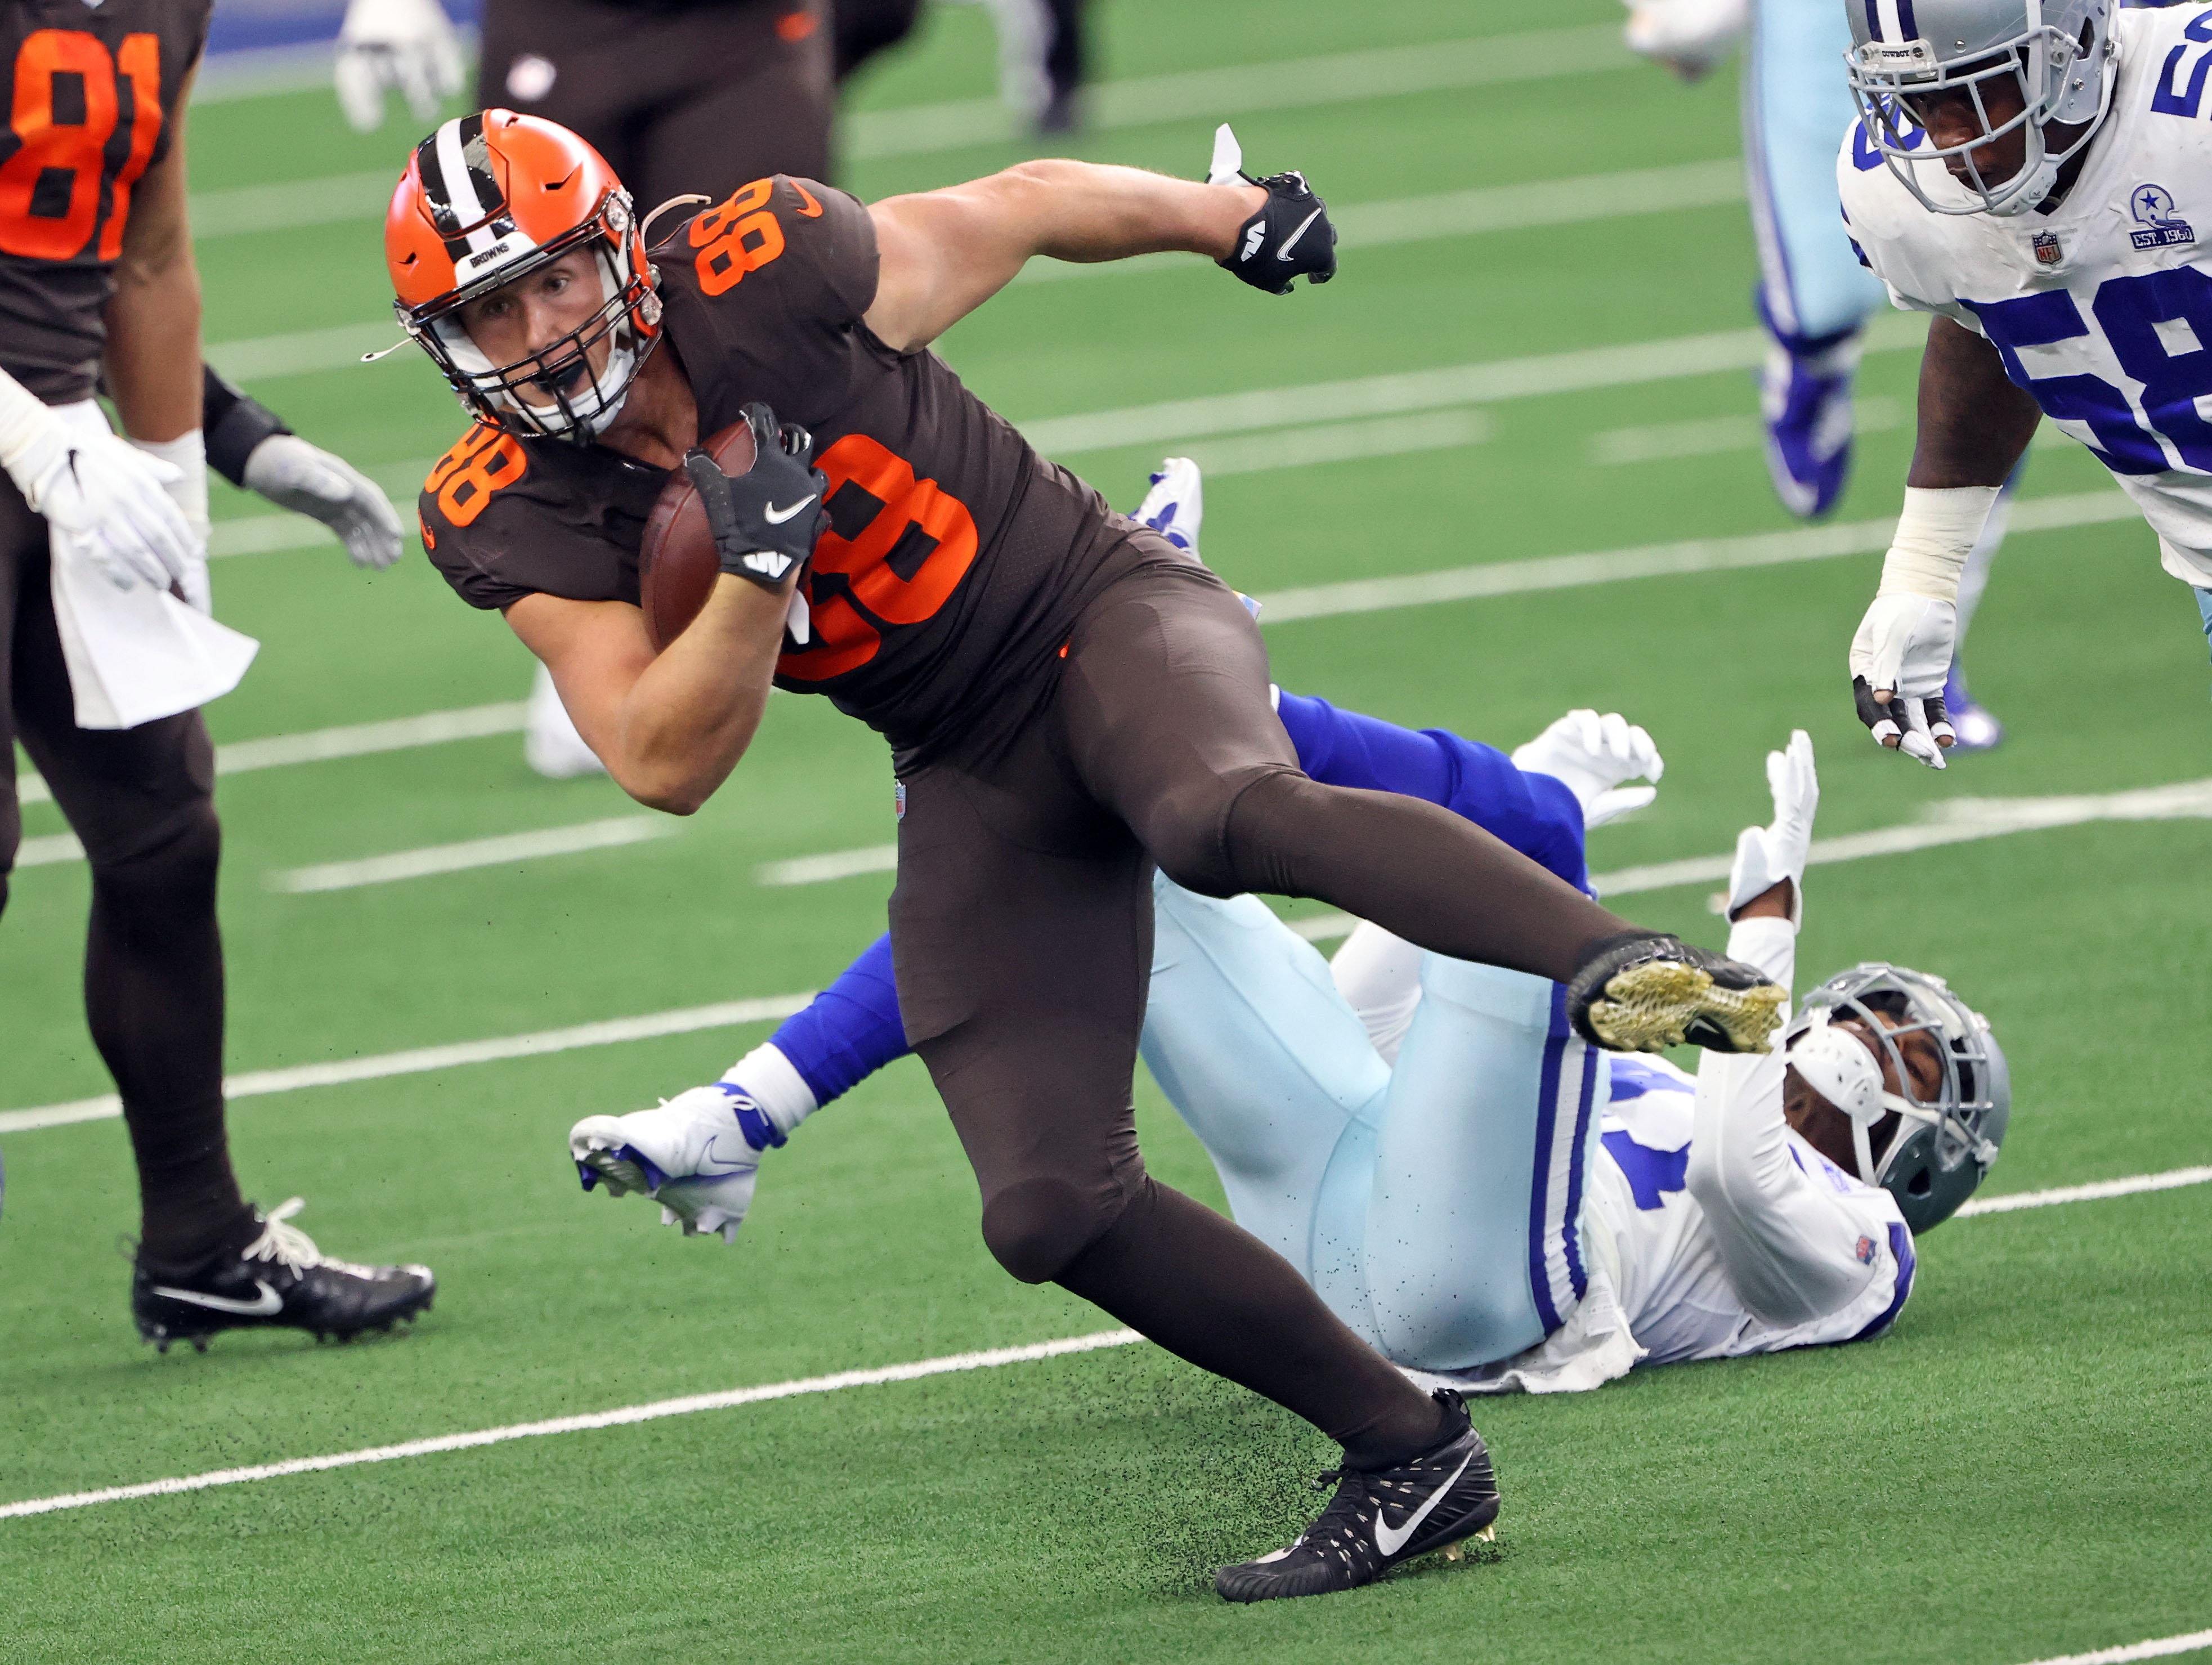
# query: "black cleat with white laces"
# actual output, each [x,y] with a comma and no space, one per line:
[1378,1518]
[279,1281]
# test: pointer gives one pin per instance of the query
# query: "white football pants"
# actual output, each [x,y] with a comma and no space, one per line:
[1798,109]
[1435,1206]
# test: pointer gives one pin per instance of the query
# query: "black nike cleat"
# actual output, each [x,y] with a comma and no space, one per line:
[279,1281]
[1378,1518]
[1645,993]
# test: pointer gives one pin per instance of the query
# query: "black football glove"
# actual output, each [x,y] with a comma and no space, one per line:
[1289,237]
[765,521]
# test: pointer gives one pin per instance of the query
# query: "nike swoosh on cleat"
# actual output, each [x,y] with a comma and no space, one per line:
[1391,1542]
[776,517]
[708,1155]
[1283,252]
[269,1304]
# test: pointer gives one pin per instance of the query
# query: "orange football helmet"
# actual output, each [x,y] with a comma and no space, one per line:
[487,199]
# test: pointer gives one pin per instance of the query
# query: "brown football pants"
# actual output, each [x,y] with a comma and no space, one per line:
[141,801]
[1021,932]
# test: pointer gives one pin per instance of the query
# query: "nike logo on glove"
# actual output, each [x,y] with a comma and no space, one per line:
[776,517]
[1283,252]
[268,1305]
[1391,1542]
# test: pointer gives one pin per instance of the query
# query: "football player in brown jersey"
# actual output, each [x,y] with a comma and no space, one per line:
[97,277]
[1069,697]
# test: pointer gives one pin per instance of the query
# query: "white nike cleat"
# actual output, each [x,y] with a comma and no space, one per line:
[694,1155]
[1176,504]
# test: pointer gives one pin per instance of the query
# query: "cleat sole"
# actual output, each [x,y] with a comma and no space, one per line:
[1654,1006]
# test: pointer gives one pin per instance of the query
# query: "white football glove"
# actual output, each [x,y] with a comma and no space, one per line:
[1592,755]
[114,502]
[407,45]
[1690,37]
[295,475]
[1765,856]
[1904,647]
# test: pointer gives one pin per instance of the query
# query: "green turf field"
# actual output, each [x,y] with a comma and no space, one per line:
[2018,1472]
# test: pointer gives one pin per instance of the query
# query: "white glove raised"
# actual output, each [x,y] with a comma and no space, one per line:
[407,45]
[1591,755]
[1903,648]
[1765,856]
[1690,37]
[113,500]
[295,475]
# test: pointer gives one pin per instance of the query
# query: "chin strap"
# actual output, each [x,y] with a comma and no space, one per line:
[1841,1068]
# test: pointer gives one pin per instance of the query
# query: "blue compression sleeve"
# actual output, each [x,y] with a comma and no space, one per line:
[1533,814]
[849,1030]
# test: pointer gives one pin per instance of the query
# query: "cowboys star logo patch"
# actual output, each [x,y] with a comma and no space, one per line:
[2158,225]
[2045,244]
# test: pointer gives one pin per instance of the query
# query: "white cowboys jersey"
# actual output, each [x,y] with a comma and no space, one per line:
[1714,1230]
[2102,308]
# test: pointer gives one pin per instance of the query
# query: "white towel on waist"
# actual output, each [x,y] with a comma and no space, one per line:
[139,654]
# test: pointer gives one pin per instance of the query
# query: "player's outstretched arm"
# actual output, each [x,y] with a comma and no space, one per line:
[249,445]
[944,253]
[1974,424]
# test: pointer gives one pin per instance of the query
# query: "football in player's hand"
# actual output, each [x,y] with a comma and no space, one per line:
[679,564]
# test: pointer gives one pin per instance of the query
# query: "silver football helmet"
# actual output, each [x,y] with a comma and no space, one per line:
[1941,1148]
[2058,53]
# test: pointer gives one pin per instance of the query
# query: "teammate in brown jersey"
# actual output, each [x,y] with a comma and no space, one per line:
[1069,697]
[96,276]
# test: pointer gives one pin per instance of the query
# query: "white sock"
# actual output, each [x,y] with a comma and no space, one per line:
[768,1078]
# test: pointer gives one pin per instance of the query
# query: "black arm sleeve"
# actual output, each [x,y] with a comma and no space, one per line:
[233,425]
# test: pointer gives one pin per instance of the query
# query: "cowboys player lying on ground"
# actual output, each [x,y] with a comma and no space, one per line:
[1490,1202]
[2034,175]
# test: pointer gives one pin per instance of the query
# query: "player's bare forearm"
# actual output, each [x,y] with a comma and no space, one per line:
[1974,422]
[153,354]
[670,728]
[946,252]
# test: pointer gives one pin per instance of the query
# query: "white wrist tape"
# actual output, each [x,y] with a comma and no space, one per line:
[1935,535]
[25,419]
[187,454]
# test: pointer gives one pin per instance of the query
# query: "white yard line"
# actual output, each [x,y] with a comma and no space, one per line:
[1713,435]
[1239,90]
[293,203]
[1339,441]
[50,850]
[1523,207]
[1485,382]
[2161,1648]
[992,1360]
[2172,1180]
[835,864]
[948,1364]
[471,853]
[349,740]
[688,1020]
[1696,555]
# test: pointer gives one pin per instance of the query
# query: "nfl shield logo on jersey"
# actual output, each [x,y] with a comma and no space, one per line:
[2157,224]
[2045,244]
[1866,1251]
[898,800]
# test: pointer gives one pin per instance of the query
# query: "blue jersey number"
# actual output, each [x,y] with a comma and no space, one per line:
[2129,310]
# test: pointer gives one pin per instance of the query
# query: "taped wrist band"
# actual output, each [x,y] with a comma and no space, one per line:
[1935,533]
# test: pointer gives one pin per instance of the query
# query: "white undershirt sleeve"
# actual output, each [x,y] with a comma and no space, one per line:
[1788,1237]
